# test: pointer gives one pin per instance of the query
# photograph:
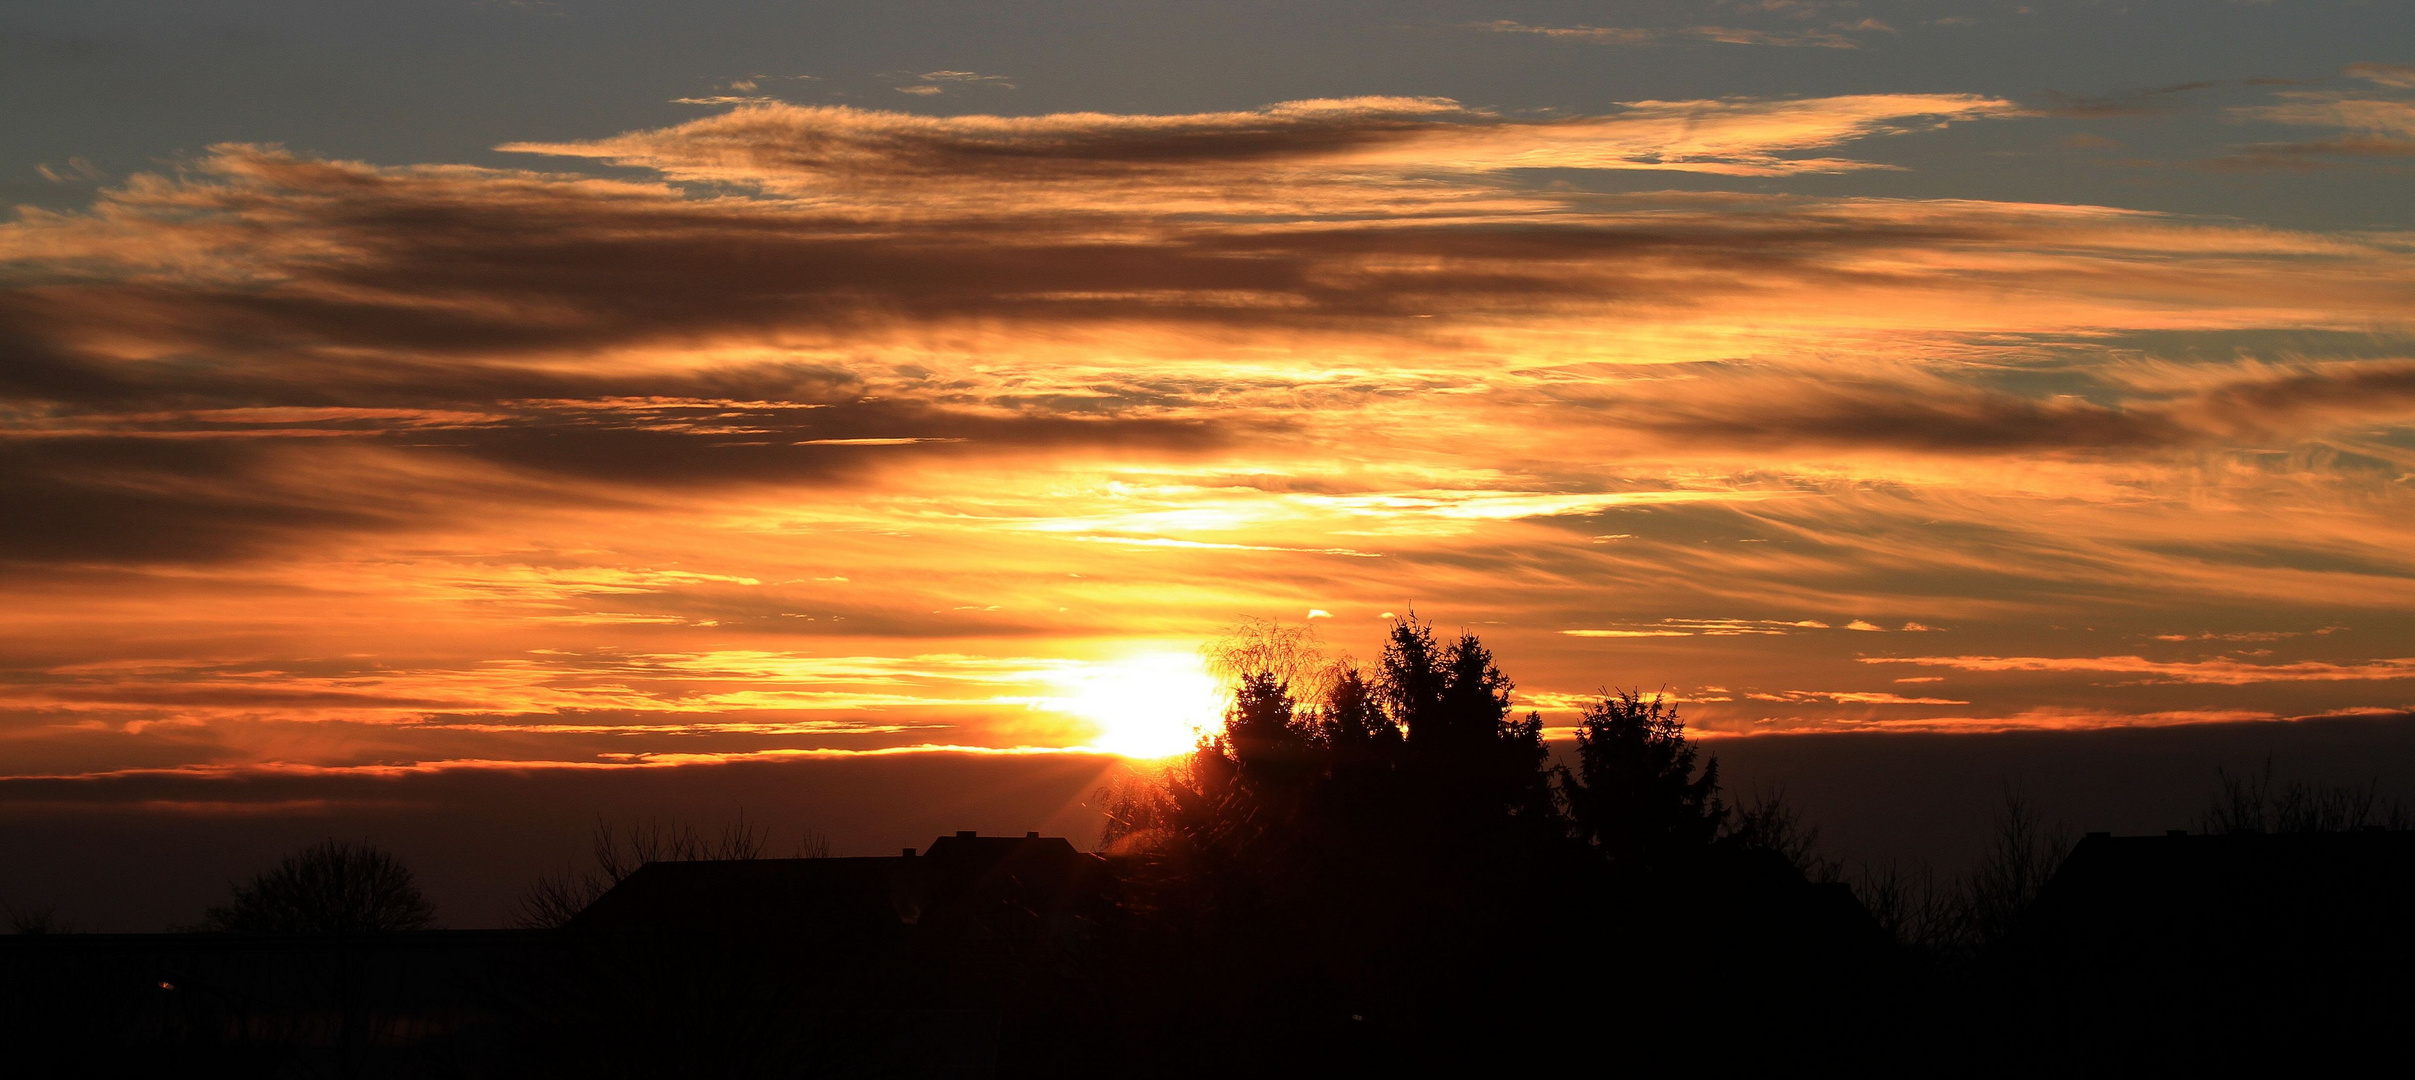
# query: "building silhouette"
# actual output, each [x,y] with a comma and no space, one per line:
[2153,953]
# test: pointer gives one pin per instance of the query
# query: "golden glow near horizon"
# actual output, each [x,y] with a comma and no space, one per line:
[833,430]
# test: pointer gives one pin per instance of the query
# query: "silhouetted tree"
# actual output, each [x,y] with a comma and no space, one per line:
[1357,869]
[1473,762]
[1635,794]
[328,888]
[1264,735]
[1770,823]
[1915,907]
[34,920]
[2253,804]
[2022,853]
[1352,723]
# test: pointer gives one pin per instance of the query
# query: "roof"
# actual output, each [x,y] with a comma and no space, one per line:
[961,878]
[2189,901]
[2222,954]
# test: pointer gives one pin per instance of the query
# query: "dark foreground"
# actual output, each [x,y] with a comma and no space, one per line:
[988,956]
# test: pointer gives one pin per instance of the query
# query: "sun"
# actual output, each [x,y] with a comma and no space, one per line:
[1146,705]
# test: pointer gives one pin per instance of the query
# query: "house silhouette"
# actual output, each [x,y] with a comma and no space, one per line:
[941,963]
[965,886]
[2153,953]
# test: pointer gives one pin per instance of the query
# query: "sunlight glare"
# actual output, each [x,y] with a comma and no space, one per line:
[1148,705]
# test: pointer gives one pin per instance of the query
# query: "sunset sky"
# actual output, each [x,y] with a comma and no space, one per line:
[592,385]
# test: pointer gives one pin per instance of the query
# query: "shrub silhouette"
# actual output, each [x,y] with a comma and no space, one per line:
[328,888]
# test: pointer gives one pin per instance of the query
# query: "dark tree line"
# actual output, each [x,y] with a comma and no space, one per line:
[1382,864]
[1426,746]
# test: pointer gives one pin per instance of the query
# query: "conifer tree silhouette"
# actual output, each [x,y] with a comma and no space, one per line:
[1635,795]
[1473,760]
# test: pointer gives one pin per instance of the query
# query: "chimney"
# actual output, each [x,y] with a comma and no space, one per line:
[909,853]
[1032,835]
[2175,832]
[965,834]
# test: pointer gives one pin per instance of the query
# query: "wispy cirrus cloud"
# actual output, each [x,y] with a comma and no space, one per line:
[1675,35]
[2222,671]
[2375,124]
[1850,697]
[845,150]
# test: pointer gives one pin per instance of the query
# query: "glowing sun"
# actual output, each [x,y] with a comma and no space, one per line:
[1148,705]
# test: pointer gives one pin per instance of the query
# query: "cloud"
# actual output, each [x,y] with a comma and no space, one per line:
[1852,697]
[556,709]
[1627,633]
[271,350]
[934,83]
[965,77]
[2217,672]
[2027,720]
[2251,635]
[1678,627]
[76,171]
[1914,414]
[2370,127]
[408,463]
[2395,76]
[1721,35]
[834,149]
[2148,101]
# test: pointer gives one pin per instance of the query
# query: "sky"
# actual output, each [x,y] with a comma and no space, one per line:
[524,389]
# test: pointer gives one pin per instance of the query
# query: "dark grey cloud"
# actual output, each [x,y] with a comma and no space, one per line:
[1923,416]
[203,492]
[2144,101]
[2315,154]
[102,500]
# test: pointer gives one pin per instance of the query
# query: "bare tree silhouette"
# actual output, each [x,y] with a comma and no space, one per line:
[1957,920]
[328,888]
[1769,823]
[1915,906]
[34,920]
[2252,804]
[2022,853]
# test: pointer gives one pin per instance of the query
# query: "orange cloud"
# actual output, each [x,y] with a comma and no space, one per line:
[2369,125]
[900,161]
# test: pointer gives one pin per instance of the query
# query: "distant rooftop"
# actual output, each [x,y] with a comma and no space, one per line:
[957,878]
